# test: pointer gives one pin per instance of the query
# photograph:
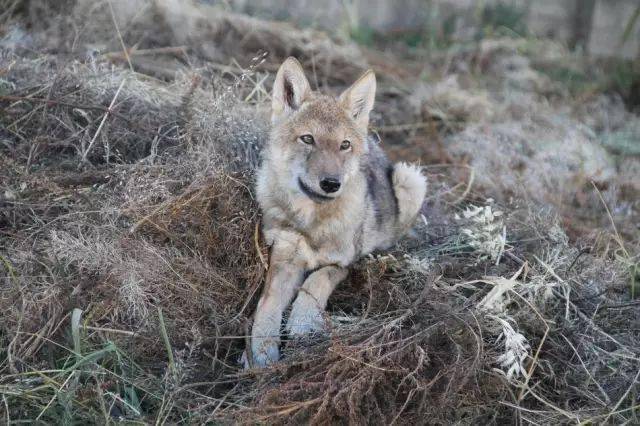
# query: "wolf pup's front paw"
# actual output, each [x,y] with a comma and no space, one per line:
[306,316]
[264,352]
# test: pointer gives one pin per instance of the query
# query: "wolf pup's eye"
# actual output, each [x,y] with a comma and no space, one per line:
[308,139]
[345,145]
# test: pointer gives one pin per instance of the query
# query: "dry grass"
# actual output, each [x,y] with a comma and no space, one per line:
[131,262]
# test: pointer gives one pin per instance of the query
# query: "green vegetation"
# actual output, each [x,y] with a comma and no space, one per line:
[503,18]
[439,30]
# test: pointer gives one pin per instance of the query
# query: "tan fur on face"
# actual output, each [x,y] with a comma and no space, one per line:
[329,124]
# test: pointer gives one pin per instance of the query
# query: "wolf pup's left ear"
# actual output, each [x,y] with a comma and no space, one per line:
[289,90]
[358,99]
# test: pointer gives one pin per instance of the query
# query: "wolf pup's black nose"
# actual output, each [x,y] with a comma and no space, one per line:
[329,185]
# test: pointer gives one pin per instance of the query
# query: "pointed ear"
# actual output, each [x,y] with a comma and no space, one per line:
[289,90]
[358,99]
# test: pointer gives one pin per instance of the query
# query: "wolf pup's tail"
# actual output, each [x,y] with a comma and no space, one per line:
[410,187]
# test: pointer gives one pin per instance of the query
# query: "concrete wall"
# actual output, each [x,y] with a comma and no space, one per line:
[596,25]
[609,21]
[551,18]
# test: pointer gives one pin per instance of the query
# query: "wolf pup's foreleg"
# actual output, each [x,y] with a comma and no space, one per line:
[284,277]
[306,312]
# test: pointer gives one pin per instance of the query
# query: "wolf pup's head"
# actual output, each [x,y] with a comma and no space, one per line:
[318,140]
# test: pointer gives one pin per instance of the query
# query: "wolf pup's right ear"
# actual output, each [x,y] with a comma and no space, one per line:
[289,90]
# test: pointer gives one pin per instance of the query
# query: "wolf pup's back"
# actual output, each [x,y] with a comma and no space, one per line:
[395,193]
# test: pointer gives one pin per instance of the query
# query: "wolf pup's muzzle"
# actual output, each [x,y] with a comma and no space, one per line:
[330,185]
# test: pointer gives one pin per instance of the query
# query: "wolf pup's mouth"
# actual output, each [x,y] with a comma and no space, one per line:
[318,198]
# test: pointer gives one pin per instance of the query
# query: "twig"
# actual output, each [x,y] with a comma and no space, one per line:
[604,394]
[613,224]
[595,326]
[67,104]
[620,242]
[284,410]
[104,119]
[621,305]
[357,361]
[124,48]
[6,407]
[472,176]
[10,348]
[534,362]
[145,52]
[113,330]
[257,88]
[631,386]
[566,288]
[590,421]
[565,413]
[222,400]
[55,395]
[164,205]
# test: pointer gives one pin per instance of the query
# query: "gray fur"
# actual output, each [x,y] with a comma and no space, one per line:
[381,195]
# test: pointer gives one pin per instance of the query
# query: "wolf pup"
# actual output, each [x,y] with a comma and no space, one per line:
[328,195]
